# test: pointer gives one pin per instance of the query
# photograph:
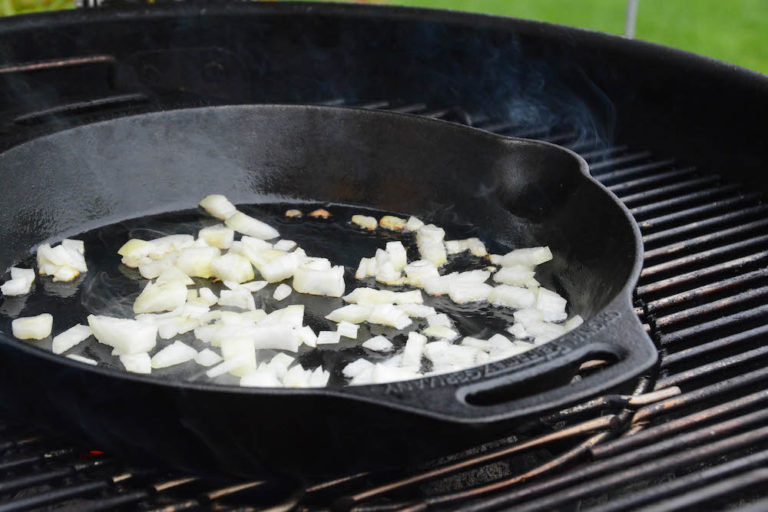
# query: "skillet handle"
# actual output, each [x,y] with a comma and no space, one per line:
[506,389]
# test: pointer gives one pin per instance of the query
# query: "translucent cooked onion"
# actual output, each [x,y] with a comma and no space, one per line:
[32,327]
[126,335]
[247,225]
[69,338]
[218,206]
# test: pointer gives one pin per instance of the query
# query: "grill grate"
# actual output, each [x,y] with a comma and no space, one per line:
[693,434]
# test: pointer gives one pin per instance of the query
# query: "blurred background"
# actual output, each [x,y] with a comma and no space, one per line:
[731,30]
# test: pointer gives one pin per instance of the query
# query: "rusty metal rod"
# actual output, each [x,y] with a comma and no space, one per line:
[708,210]
[660,192]
[706,392]
[620,470]
[647,210]
[719,344]
[649,435]
[703,328]
[711,307]
[704,291]
[637,170]
[710,368]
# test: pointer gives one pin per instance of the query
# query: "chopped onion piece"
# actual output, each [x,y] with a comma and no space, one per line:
[247,225]
[573,322]
[160,247]
[20,282]
[440,332]
[242,349]
[134,252]
[282,292]
[307,336]
[137,363]
[285,245]
[219,236]
[239,298]
[227,366]
[461,292]
[126,335]
[319,378]
[293,214]
[365,222]
[82,359]
[254,286]
[207,296]
[446,356]
[207,357]
[218,206]
[518,331]
[320,213]
[197,261]
[352,313]
[319,282]
[392,223]
[366,268]
[292,316]
[158,297]
[63,263]
[69,338]
[551,305]
[386,273]
[262,377]
[152,269]
[328,337]
[175,353]
[512,297]
[280,363]
[32,327]
[544,332]
[379,344]
[388,314]
[531,256]
[280,268]
[413,224]
[439,319]
[414,349]
[429,240]
[280,337]
[516,275]
[420,271]
[397,255]
[474,245]
[371,297]
[417,310]
[347,329]
[297,377]
[232,267]
[383,373]
[356,367]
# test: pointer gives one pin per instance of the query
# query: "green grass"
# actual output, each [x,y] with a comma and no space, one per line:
[731,30]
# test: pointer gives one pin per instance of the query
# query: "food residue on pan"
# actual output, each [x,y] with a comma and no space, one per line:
[406,338]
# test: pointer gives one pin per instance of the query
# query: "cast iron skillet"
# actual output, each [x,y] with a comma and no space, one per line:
[523,193]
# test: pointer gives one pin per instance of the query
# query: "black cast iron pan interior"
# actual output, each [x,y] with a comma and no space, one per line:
[510,192]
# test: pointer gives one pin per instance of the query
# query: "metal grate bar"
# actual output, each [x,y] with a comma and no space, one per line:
[733,320]
[651,181]
[698,212]
[743,263]
[711,307]
[614,162]
[639,198]
[719,344]
[646,211]
[692,481]
[710,368]
[693,228]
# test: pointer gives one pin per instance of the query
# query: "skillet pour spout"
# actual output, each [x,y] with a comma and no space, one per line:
[512,192]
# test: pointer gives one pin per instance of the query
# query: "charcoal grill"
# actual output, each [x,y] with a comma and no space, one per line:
[679,138]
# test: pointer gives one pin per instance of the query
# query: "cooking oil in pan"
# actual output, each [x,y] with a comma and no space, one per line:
[110,288]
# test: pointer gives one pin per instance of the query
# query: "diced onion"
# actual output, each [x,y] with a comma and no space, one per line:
[356,367]
[260,378]
[328,337]
[352,313]
[285,245]
[417,310]
[573,322]
[392,223]
[219,236]
[347,329]
[307,336]
[232,267]
[242,349]
[413,224]
[397,255]
[440,332]
[20,282]
[414,348]
[125,335]
[137,363]
[378,344]
[280,268]
[388,314]
[516,275]
[319,282]
[161,296]
[197,261]
[218,206]
[247,225]
[69,338]
[207,357]
[461,292]
[365,222]
[429,240]
[551,305]
[32,327]
[226,366]
[531,256]
[282,292]
[238,298]
[512,297]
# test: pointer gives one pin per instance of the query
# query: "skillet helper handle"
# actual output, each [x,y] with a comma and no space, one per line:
[506,389]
